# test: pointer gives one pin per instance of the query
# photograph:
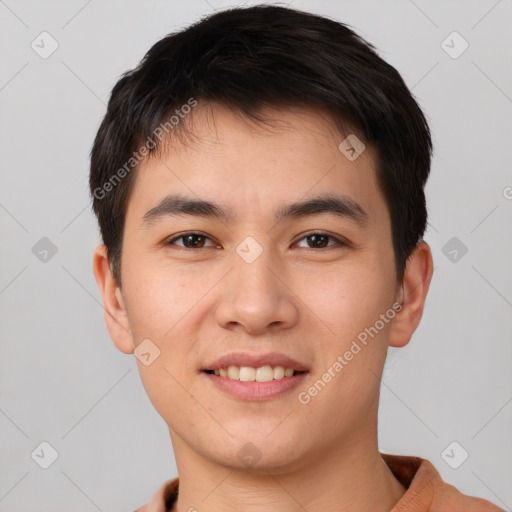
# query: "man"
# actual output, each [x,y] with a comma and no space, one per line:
[259,185]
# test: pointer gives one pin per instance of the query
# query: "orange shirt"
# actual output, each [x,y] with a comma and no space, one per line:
[426,491]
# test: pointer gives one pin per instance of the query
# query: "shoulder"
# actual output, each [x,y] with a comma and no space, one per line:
[450,498]
[426,490]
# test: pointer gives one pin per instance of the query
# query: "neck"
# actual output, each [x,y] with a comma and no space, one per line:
[352,478]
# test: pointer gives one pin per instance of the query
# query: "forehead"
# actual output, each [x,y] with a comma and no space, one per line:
[216,127]
[247,166]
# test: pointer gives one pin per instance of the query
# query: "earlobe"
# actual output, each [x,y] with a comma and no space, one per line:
[116,315]
[412,295]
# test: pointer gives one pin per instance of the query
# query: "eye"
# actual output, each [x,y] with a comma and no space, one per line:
[191,241]
[319,240]
[316,240]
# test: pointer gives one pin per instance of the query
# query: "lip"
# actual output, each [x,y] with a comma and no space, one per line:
[255,361]
[255,391]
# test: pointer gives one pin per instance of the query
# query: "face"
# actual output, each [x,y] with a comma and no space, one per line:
[250,281]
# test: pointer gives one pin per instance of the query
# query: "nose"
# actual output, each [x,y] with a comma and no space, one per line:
[254,297]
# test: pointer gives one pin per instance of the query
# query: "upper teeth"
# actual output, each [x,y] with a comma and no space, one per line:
[249,374]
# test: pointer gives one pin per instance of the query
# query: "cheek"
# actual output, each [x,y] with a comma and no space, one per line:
[352,352]
[350,302]
[161,307]
[159,297]
[347,298]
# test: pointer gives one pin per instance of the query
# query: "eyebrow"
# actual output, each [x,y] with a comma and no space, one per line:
[339,205]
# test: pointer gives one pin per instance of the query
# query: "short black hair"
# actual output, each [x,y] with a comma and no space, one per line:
[249,58]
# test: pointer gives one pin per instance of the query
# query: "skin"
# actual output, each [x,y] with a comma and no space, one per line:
[309,303]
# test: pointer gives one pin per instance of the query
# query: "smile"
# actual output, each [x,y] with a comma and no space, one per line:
[250,374]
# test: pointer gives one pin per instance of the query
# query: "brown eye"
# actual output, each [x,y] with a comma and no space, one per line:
[191,241]
[319,241]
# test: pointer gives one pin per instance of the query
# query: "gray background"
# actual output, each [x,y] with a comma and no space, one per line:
[63,381]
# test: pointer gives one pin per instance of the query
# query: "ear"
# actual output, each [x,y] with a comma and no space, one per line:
[412,294]
[116,316]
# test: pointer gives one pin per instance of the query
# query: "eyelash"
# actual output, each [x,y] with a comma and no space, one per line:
[339,242]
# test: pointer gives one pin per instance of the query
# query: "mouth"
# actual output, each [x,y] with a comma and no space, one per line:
[250,374]
[254,377]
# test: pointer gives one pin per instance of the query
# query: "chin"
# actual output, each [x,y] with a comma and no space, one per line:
[260,453]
